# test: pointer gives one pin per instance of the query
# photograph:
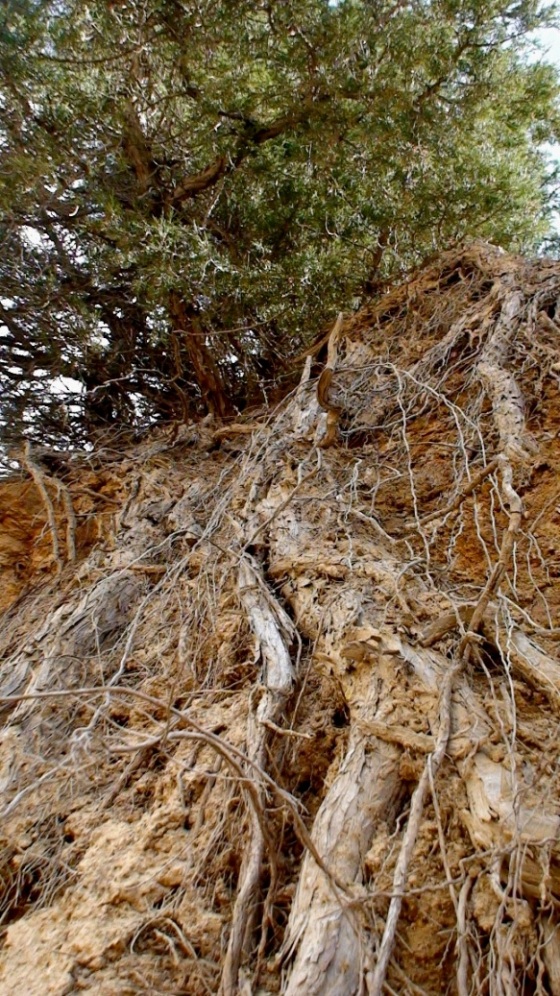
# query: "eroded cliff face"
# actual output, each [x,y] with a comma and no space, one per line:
[280,707]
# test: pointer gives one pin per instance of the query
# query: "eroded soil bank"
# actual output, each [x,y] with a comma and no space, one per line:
[280,697]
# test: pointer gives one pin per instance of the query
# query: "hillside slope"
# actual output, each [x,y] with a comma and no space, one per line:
[280,697]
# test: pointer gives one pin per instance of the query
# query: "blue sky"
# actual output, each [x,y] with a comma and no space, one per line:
[550,39]
[549,47]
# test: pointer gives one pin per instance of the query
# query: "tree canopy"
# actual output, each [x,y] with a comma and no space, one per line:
[190,189]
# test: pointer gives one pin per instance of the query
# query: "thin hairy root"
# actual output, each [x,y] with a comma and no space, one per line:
[377,981]
[41,480]
[465,649]
[475,481]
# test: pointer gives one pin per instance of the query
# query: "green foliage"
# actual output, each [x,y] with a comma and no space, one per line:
[190,189]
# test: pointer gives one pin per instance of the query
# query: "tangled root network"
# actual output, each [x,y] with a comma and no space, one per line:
[280,697]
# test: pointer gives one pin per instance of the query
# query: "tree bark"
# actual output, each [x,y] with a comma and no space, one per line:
[188,330]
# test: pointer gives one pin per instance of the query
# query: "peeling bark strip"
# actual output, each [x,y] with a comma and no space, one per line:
[316,689]
[507,399]
[274,631]
[324,939]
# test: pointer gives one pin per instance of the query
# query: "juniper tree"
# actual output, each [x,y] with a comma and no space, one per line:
[190,189]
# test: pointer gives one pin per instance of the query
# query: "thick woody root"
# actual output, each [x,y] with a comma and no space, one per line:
[303,701]
[515,451]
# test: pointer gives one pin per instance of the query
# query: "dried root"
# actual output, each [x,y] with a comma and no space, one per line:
[302,699]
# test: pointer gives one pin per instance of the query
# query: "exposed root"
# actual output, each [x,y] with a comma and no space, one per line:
[324,386]
[39,479]
[302,700]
